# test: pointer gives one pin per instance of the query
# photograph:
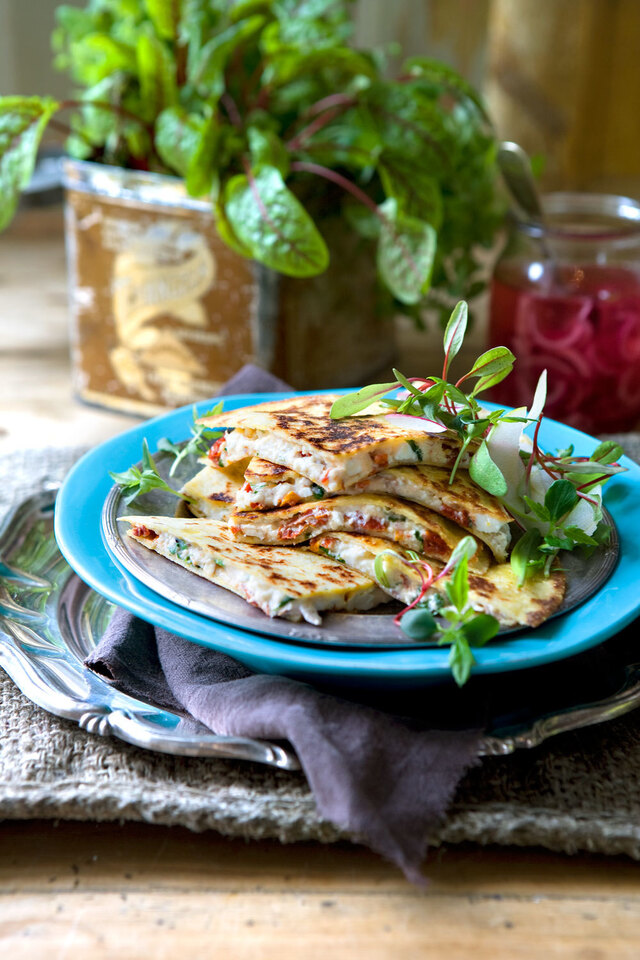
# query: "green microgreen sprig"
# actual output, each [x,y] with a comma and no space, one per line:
[137,481]
[459,626]
[550,524]
[201,437]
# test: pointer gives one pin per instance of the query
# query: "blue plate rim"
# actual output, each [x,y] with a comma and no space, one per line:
[77,530]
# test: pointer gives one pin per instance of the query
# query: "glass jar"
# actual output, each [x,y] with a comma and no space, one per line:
[566,298]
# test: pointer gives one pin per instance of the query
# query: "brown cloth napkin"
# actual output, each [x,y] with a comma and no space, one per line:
[371,773]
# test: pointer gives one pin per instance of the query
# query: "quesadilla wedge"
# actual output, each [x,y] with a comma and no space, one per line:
[295,584]
[495,591]
[299,433]
[213,491]
[268,485]
[407,524]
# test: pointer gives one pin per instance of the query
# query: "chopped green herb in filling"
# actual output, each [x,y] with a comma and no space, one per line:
[416,449]
[317,491]
[328,553]
[284,602]
[180,549]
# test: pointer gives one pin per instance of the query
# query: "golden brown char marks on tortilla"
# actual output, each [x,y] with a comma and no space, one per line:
[495,591]
[259,470]
[308,419]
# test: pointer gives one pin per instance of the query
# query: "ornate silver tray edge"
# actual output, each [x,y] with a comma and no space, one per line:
[44,657]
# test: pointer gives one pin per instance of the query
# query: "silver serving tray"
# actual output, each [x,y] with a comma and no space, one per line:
[50,621]
[374,629]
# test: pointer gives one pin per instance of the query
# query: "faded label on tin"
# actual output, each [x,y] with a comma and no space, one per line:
[159,270]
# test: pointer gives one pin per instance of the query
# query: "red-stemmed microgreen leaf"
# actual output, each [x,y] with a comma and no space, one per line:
[480,629]
[486,473]
[607,452]
[454,334]
[419,624]
[406,383]
[352,403]
[525,555]
[539,397]
[485,383]
[498,360]
[560,499]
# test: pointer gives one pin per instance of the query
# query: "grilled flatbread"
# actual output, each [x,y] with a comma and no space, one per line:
[299,433]
[269,485]
[495,591]
[292,583]
[409,525]
[213,491]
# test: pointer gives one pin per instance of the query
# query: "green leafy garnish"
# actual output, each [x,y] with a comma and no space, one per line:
[264,107]
[460,627]
[201,437]
[565,511]
[135,482]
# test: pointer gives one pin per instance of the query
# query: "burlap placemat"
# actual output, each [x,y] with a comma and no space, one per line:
[580,791]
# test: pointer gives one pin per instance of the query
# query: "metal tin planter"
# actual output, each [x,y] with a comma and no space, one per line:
[163,313]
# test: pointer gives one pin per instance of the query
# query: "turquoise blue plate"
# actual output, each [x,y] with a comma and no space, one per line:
[77,527]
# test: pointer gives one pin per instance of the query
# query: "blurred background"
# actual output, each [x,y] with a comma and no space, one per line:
[561,77]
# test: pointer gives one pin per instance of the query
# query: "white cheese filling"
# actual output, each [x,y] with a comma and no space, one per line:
[267,494]
[273,601]
[334,472]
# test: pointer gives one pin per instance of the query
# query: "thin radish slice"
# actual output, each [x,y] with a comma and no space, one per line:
[421,424]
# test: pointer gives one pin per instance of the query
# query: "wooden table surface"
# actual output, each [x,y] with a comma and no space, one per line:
[70,890]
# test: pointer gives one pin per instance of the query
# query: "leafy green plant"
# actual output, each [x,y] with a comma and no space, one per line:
[264,106]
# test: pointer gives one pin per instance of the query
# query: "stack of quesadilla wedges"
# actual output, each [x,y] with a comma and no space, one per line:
[286,487]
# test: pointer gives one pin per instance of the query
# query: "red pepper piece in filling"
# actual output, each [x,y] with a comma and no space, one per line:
[215,450]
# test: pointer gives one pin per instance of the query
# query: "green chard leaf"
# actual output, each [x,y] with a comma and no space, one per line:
[177,136]
[201,168]
[135,482]
[267,149]
[165,16]
[415,190]
[272,223]
[440,73]
[207,70]
[22,123]
[541,512]
[98,55]
[156,73]
[406,251]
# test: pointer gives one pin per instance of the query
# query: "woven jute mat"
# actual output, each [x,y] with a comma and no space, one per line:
[579,791]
